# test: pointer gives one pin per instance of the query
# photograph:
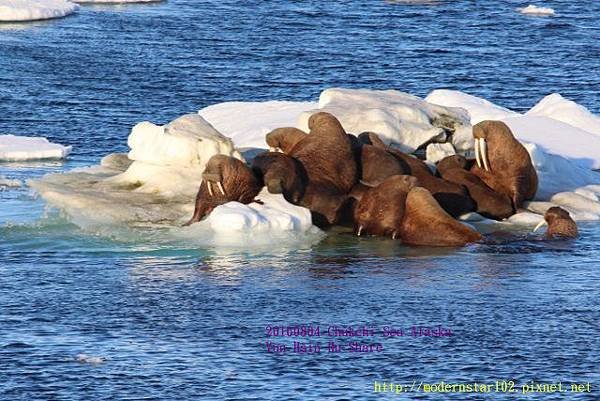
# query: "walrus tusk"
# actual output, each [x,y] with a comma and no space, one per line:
[221,188]
[394,235]
[541,223]
[359,230]
[272,149]
[477,156]
[210,190]
[484,156]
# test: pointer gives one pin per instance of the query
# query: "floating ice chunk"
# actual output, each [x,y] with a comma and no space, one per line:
[558,138]
[398,118]
[94,360]
[557,174]
[525,219]
[8,183]
[557,107]
[437,151]
[169,160]
[32,10]
[576,201]
[23,148]
[535,10]
[275,215]
[479,109]
[247,123]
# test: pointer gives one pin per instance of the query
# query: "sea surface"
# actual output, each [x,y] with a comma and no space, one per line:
[91,314]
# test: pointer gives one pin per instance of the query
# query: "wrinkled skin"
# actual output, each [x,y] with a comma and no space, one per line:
[560,224]
[453,197]
[426,223]
[381,209]
[511,170]
[285,138]
[281,174]
[488,203]
[238,182]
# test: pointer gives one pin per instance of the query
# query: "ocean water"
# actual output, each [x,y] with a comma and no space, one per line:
[95,314]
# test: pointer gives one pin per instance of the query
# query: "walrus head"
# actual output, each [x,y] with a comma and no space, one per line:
[323,123]
[489,132]
[452,162]
[560,223]
[284,139]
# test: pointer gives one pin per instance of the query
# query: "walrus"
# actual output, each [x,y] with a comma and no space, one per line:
[224,179]
[503,163]
[452,197]
[281,174]
[426,223]
[284,139]
[376,164]
[488,202]
[327,205]
[560,224]
[381,209]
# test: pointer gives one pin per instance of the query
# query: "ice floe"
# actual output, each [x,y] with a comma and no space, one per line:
[479,109]
[536,10]
[247,123]
[437,151]
[23,148]
[558,108]
[9,183]
[399,118]
[32,10]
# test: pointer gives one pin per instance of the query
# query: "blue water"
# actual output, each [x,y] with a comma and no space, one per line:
[95,315]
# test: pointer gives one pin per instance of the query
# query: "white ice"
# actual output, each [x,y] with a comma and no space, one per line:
[247,123]
[558,108]
[114,1]
[23,148]
[437,151]
[9,183]
[399,118]
[479,109]
[536,10]
[32,10]
[155,186]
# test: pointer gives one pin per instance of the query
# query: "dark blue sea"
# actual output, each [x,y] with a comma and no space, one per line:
[87,315]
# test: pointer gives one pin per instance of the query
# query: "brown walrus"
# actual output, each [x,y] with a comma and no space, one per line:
[488,203]
[426,223]
[560,224]
[376,164]
[452,197]
[381,209]
[326,153]
[503,163]
[284,139]
[224,179]
[281,174]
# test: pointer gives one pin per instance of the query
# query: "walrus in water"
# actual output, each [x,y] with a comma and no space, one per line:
[224,179]
[284,139]
[560,224]
[503,163]
[452,197]
[488,203]
[281,174]
[381,209]
[426,223]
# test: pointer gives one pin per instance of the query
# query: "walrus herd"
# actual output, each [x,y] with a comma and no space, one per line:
[360,182]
